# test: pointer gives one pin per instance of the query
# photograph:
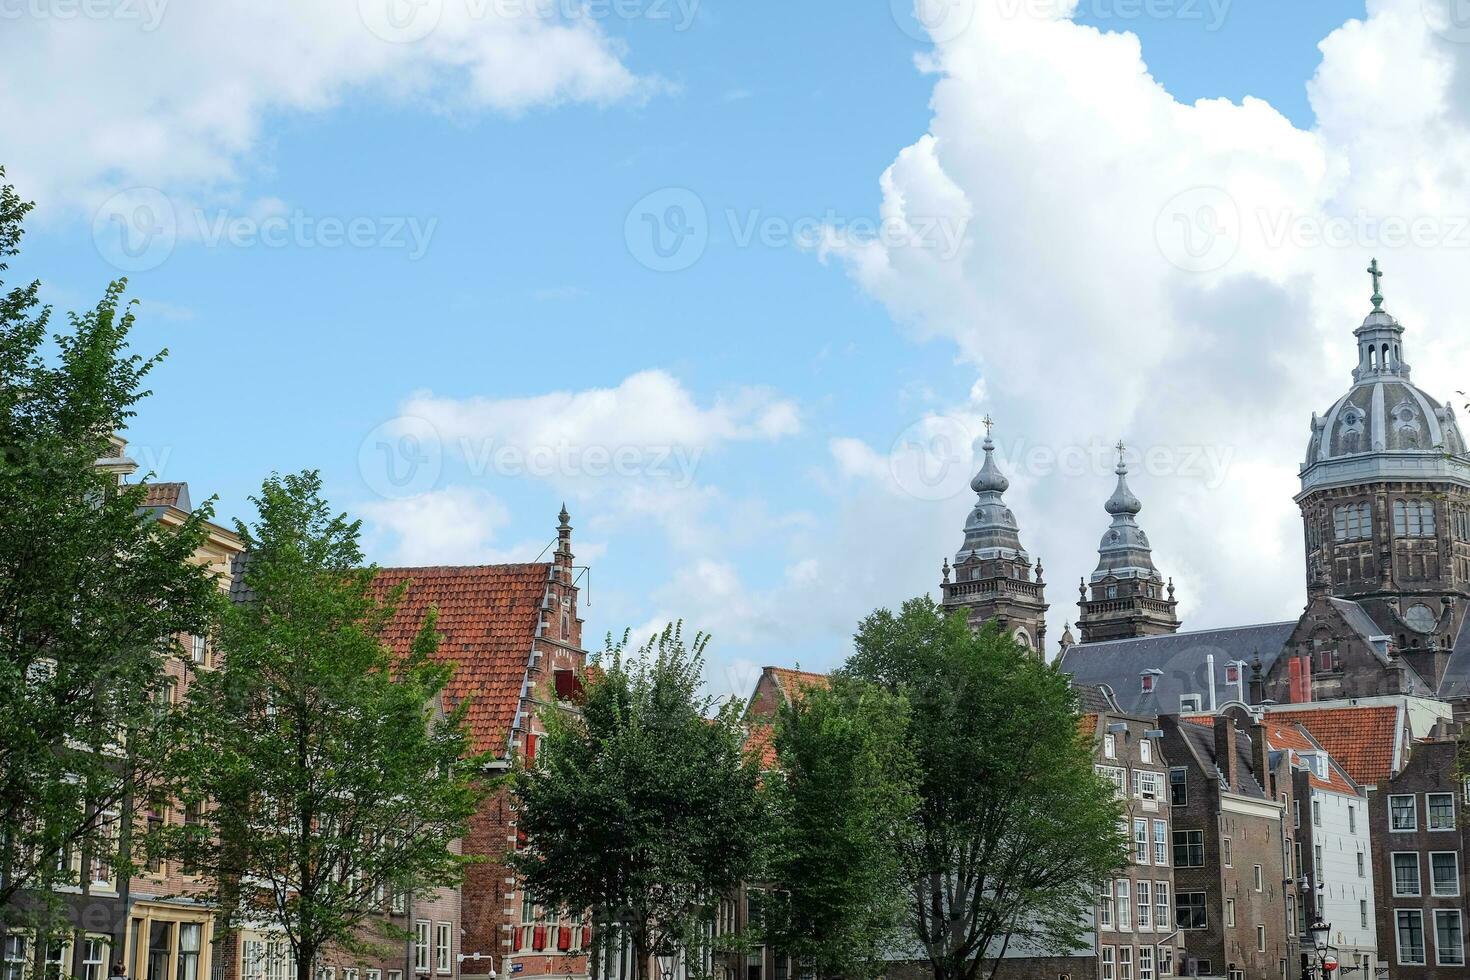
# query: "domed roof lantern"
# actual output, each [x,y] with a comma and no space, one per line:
[1380,338]
[1122,501]
[990,478]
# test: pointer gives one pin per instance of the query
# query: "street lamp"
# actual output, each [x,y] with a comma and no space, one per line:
[1318,932]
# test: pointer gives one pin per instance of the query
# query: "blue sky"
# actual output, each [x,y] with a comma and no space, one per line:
[530,284]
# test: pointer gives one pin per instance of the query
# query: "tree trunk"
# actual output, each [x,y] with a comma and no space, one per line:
[305,958]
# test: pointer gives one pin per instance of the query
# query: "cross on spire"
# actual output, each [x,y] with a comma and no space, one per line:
[1377,275]
[1121,449]
[989,424]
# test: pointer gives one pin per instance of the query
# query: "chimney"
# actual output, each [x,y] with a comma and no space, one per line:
[1258,680]
[1225,752]
[1261,757]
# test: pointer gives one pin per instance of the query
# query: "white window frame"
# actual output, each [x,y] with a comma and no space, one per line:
[1260,939]
[1258,878]
[1393,873]
[1439,959]
[1429,813]
[1414,812]
[443,947]
[1105,905]
[1161,843]
[1229,913]
[1398,936]
[1110,746]
[1433,889]
[1144,895]
[1146,785]
[1125,963]
[1145,962]
[1140,840]
[1162,907]
[1146,750]
[1123,907]
[421,945]
[1107,963]
[1165,959]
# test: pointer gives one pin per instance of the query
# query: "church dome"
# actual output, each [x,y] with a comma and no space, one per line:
[1385,427]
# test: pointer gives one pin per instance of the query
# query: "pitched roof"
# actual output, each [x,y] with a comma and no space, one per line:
[1291,737]
[166,495]
[1456,680]
[487,622]
[1361,739]
[1181,659]
[761,742]
[794,682]
[1201,736]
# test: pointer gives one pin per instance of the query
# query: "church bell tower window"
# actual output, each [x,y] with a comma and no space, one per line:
[1353,522]
[1413,518]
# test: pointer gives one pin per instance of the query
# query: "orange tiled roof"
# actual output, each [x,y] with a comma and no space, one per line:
[1361,739]
[762,742]
[487,621]
[162,494]
[794,682]
[1087,725]
[1291,737]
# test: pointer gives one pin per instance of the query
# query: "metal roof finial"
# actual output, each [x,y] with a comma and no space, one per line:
[1377,275]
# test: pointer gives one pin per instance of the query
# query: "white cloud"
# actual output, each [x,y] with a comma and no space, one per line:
[175,95]
[453,526]
[1144,268]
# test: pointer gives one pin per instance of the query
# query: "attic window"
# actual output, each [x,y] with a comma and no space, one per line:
[1189,702]
[1232,674]
[1148,678]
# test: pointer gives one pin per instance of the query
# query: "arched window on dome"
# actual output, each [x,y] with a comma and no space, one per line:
[1352,522]
[1413,518]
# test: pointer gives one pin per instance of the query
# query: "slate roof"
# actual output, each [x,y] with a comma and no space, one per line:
[1361,739]
[1456,680]
[1200,736]
[1180,657]
[487,622]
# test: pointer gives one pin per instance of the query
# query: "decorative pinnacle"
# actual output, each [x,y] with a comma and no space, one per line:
[564,517]
[1377,275]
[1122,465]
[989,423]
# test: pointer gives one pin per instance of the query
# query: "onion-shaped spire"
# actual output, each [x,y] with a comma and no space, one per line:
[990,478]
[1122,501]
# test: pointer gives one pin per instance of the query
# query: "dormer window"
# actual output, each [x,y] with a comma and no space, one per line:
[1148,679]
[1232,674]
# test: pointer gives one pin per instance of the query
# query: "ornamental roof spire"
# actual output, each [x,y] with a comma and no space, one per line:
[991,529]
[1377,275]
[1124,550]
[1122,501]
[990,477]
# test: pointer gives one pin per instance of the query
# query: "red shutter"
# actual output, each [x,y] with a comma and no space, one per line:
[538,938]
[586,937]
[515,939]
[564,938]
[530,747]
[520,839]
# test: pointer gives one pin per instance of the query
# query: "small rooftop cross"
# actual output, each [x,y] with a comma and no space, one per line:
[1377,275]
[1121,449]
[989,424]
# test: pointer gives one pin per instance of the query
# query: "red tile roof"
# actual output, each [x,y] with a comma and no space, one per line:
[1087,726]
[1361,739]
[1291,737]
[162,494]
[794,682]
[762,742]
[487,622]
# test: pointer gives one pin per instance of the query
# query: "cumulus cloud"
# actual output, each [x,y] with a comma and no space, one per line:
[175,95]
[1184,276]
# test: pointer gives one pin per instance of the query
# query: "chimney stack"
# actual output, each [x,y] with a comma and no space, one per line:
[1261,757]
[1225,752]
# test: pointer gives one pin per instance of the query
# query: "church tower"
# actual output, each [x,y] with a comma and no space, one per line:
[1385,501]
[1128,593]
[992,577]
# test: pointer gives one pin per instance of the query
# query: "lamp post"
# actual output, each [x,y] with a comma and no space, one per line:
[1319,932]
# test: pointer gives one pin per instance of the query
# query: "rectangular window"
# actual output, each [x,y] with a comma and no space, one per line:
[1117,776]
[1406,874]
[13,958]
[1316,813]
[1145,963]
[1189,848]
[1145,906]
[1226,852]
[1161,843]
[1189,912]
[1402,814]
[1362,866]
[1161,905]
[1105,906]
[1441,809]
[1110,747]
[1125,905]
[1140,841]
[198,649]
[1362,913]
[1444,873]
[1146,784]
[1166,961]
[1230,912]
[1179,787]
[1107,963]
[1449,940]
[1125,963]
[1352,819]
[1410,924]
[94,958]
[1260,939]
[443,948]
[1317,858]
[1146,751]
[1258,878]
[421,946]
[372,975]
[191,935]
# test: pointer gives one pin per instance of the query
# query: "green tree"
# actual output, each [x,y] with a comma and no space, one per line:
[844,794]
[321,770]
[643,807]
[1013,829]
[94,592]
